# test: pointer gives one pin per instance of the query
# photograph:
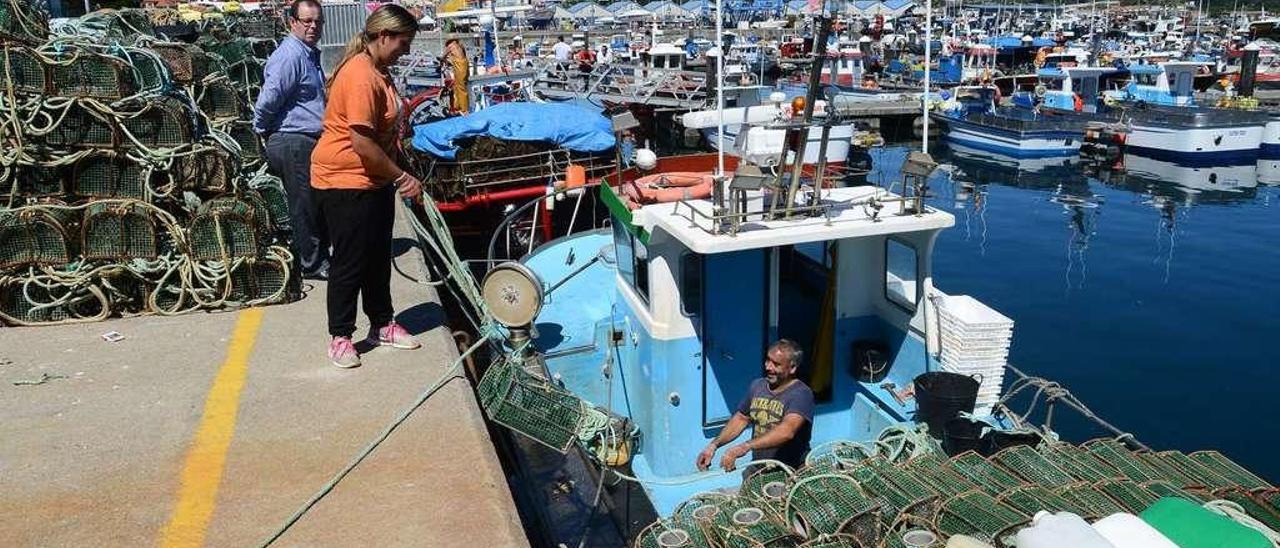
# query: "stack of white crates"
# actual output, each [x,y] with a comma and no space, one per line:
[975,342]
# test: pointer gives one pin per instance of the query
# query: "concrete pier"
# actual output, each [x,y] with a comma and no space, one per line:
[211,429]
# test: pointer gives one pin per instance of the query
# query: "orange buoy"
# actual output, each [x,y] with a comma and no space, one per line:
[575,176]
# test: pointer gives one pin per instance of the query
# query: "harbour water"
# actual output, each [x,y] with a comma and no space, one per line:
[1152,296]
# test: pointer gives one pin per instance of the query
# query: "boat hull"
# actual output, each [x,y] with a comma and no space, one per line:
[1012,143]
[1229,145]
[1270,149]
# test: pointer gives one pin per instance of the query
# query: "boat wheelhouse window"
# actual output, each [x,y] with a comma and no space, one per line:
[691,284]
[901,274]
[1145,79]
[632,258]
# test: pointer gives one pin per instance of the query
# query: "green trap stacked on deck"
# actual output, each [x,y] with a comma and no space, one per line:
[978,515]
[118,231]
[1031,466]
[1091,502]
[38,300]
[987,476]
[35,236]
[1076,461]
[531,405]
[1128,493]
[271,190]
[151,74]
[896,491]
[21,21]
[26,72]
[1030,499]
[833,541]
[226,227]
[735,522]
[1200,475]
[766,484]
[1121,458]
[673,534]
[109,175]
[1228,468]
[832,503]
[160,121]
[939,475]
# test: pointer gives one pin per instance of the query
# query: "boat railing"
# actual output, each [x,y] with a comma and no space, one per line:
[1040,122]
[452,180]
[621,82]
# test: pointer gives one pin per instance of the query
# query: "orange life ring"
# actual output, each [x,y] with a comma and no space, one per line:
[668,187]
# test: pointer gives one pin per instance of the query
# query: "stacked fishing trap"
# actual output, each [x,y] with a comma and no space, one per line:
[130,178]
[851,495]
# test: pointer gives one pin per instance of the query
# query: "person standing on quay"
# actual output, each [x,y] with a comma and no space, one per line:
[355,177]
[288,116]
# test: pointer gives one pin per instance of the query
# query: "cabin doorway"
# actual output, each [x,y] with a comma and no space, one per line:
[805,308]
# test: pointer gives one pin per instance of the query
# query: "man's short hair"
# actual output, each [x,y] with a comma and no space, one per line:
[560,38]
[293,8]
[794,353]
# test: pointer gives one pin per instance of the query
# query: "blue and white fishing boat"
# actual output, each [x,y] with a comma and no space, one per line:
[973,120]
[1156,106]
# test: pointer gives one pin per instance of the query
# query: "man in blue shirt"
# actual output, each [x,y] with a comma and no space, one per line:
[288,116]
[779,409]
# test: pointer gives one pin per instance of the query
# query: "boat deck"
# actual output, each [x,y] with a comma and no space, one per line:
[212,429]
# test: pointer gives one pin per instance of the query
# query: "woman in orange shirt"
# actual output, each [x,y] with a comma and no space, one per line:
[355,177]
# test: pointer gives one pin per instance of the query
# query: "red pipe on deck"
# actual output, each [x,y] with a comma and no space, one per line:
[486,198]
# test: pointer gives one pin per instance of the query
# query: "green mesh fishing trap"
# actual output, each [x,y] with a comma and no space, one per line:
[833,541]
[897,492]
[36,300]
[938,474]
[1091,502]
[81,126]
[109,175]
[264,281]
[766,484]
[1163,488]
[1128,493]
[741,524]
[129,23]
[160,121]
[35,235]
[985,475]
[220,100]
[832,503]
[232,51]
[920,531]
[1121,458]
[673,534]
[225,227]
[531,405]
[150,72]
[206,169]
[37,181]
[25,71]
[1227,468]
[252,149]
[1030,499]
[1200,474]
[187,63]
[118,231]
[1076,461]
[978,515]
[1023,461]
[1167,470]
[84,73]
[271,198]
[22,21]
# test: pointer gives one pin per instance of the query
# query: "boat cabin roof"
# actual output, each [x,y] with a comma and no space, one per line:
[847,217]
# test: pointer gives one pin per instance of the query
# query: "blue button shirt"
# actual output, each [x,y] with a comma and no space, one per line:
[292,96]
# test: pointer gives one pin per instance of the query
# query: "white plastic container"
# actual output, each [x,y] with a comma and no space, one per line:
[1129,531]
[1060,530]
[963,541]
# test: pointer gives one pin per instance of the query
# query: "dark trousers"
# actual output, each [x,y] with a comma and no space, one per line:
[289,157]
[359,223]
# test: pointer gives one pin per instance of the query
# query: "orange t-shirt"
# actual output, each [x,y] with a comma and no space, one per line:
[361,95]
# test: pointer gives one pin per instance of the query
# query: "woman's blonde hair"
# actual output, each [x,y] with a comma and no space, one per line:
[387,18]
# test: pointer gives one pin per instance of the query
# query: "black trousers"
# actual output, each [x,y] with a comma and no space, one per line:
[359,223]
[289,157]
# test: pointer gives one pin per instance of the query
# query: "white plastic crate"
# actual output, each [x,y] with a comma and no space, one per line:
[963,311]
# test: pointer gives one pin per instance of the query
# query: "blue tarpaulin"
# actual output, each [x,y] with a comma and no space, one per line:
[570,126]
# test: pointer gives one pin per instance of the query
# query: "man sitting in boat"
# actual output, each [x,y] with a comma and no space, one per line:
[779,408]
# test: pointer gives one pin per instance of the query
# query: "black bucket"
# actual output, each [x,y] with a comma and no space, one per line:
[870,360]
[1004,439]
[963,434]
[942,396]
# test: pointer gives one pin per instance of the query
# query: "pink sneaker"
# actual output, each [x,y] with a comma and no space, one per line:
[395,336]
[343,353]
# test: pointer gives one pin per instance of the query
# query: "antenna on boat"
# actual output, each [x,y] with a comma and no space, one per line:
[928,53]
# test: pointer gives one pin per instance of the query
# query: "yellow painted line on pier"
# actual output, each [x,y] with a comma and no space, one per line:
[208,454]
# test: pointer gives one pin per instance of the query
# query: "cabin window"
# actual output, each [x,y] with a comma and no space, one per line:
[691,284]
[901,274]
[632,258]
[659,61]
[1145,79]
